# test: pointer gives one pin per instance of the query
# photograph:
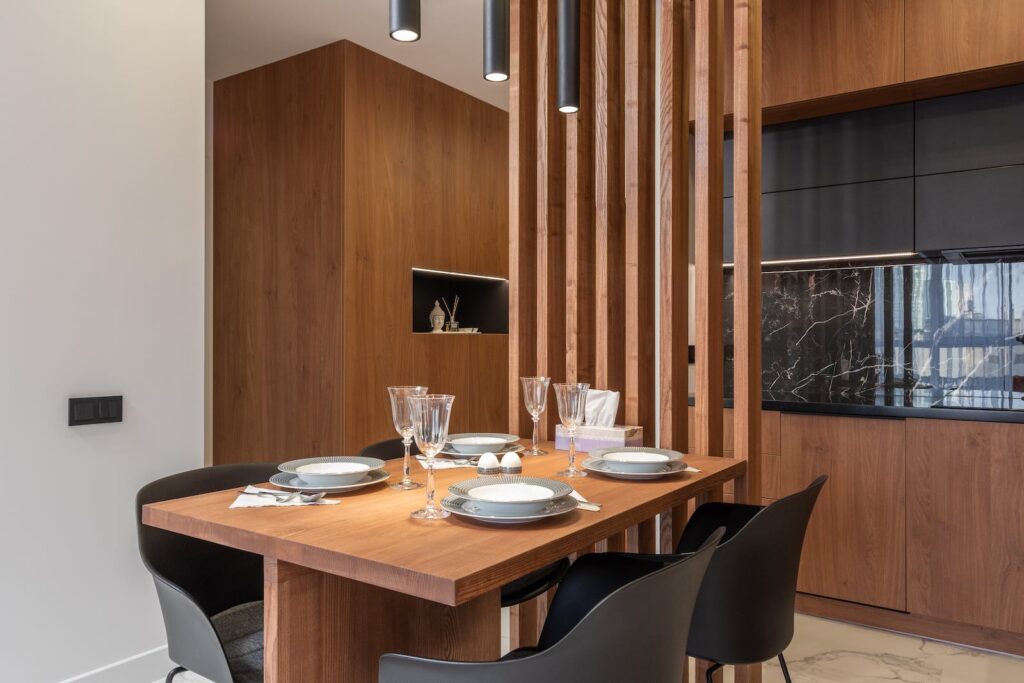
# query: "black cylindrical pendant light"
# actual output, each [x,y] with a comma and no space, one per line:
[496,40]
[405,20]
[568,86]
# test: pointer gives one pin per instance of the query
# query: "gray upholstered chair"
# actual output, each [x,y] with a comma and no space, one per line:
[633,634]
[211,596]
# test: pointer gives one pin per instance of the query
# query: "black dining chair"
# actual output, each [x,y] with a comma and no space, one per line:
[513,593]
[631,634]
[211,596]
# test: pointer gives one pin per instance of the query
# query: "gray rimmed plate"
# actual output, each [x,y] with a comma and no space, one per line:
[292,482]
[470,510]
[637,459]
[601,467]
[512,495]
[448,452]
[324,478]
[478,443]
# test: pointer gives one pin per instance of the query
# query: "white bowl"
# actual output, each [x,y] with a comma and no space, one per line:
[636,459]
[478,444]
[332,473]
[511,499]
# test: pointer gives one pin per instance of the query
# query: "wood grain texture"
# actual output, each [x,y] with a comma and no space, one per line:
[371,538]
[303,246]
[317,627]
[525,623]
[747,249]
[708,92]
[522,218]
[928,627]
[965,522]
[609,197]
[277,259]
[673,231]
[816,48]
[855,547]
[551,275]
[639,312]
[580,255]
[952,36]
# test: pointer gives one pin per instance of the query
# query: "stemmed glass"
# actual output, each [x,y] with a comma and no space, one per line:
[572,409]
[430,414]
[535,396]
[402,417]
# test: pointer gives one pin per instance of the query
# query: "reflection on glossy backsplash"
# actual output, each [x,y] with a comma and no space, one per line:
[943,335]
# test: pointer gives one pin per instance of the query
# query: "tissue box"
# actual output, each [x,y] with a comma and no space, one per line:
[592,438]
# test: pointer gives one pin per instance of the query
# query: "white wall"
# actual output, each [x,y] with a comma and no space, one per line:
[101,291]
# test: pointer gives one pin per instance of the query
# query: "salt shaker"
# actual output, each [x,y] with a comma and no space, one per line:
[488,465]
[511,464]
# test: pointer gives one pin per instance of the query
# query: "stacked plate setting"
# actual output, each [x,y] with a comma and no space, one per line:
[635,462]
[509,500]
[472,445]
[334,474]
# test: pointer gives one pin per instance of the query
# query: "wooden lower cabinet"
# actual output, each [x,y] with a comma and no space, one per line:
[965,522]
[855,547]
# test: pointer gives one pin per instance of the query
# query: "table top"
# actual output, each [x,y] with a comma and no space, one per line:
[370,537]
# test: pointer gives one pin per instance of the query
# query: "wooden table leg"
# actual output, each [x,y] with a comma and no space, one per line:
[325,628]
[525,621]
[700,671]
[647,539]
[751,673]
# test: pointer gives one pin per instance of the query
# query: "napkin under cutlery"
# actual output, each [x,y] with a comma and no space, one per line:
[254,497]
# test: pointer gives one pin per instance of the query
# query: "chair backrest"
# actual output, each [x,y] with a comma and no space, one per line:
[387,450]
[744,613]
[215,576]
[631,635]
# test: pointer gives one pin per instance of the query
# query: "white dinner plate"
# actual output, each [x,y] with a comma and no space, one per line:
[510,495]
[448,452]
[637,459]
[604,468]
[478,443]
[468,508]
[292,482]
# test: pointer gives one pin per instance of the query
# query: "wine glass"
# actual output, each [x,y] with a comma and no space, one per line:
[535,396]
[402,417]
[572,409]
[430,414]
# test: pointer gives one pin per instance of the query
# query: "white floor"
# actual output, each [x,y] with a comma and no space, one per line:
[825,651]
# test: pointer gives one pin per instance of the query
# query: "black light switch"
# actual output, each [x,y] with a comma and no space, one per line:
[94,410]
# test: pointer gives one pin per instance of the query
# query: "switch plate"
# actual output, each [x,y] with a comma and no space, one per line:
[95,410]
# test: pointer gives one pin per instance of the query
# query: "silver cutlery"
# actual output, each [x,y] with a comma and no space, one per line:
[284,496]
[585,504]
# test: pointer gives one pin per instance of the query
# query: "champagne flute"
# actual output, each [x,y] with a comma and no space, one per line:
[535,396]
[430,415]
[402,418]
[572,409]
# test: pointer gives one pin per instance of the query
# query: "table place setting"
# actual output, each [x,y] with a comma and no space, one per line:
[255,497]
[509,499]
[636,463]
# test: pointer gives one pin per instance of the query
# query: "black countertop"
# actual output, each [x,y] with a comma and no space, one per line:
[988,407]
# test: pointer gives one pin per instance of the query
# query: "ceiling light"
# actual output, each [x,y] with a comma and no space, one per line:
[405,20]
[496,40]
[568,71]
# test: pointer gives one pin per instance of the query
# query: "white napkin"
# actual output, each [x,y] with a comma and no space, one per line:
[602,407]
[444,464]
[252,500]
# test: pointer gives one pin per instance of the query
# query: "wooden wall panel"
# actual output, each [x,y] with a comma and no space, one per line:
[609,198]
[673,232]
[855,547]
[965,522]
[951,36]
[639,252]
[277,260]
[580,302]
[522,204]
[551,155]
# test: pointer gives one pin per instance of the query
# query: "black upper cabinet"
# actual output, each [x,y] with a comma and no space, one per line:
[839,220]
[964,132]
[981,209]
[873,144]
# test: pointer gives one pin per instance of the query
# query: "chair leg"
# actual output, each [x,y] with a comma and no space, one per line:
[785,669]
[710,673]
[174,672]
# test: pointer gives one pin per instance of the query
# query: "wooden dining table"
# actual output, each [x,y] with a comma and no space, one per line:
[344,584]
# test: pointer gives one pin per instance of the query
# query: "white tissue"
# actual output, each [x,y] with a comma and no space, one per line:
[602,407]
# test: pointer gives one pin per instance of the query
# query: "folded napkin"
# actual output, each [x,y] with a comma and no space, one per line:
[445,464]
[252,499]
[602,407]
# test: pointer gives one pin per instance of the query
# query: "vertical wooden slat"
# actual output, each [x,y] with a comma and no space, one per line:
[674,105]
[550,212]
[522,225]
[665,532]
[525,622]
[639,251]
[609,197]
[647,535]
[580,305]
[708,94]
[747,257]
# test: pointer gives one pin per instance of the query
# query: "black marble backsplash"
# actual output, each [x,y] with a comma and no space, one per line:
[919,335]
